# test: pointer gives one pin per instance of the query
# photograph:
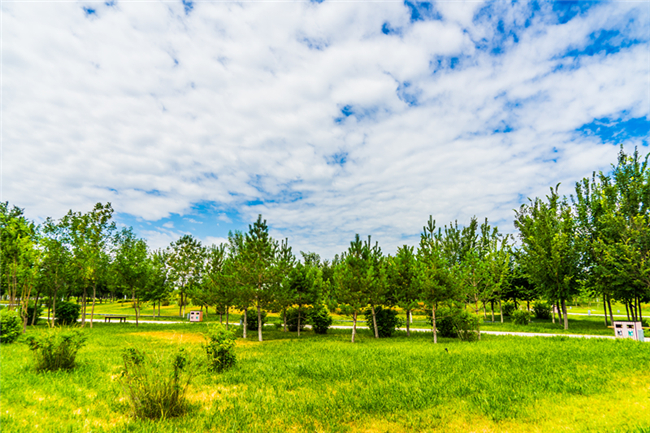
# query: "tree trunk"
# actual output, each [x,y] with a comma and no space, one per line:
[553,307]
[38,294]
[528,306]
[83,308]
[299,311]
[180,306]
[221,317]
[500,311]
[284,320]
[640,313]
[566,318]
[92,309]
[354,325]
[484,312]
[53,310]
[408,323]
[135,306]
[433,324]
[605,307]
[244,323]
[227,310]
[259,322]
[627,311]
[374,321]
[611,314]
[159,302]
[559,311]
[492,309]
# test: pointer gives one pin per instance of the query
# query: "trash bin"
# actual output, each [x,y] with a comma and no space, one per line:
[196,316]
[633,330]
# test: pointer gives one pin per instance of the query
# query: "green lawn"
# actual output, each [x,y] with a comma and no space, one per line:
[325,383]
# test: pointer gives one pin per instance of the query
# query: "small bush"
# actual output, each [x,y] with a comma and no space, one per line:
[251,319]
[521,317]
[320,319]
[220,348]
[11,326]
[453,322]
[56,349]
[507,308]
[542,310]
[387,321]
[292,319]
[156,388]
[67,313]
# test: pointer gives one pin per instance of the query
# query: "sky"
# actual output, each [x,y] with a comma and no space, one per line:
[327,118]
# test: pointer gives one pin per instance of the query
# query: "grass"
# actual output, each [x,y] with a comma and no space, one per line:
[325,383]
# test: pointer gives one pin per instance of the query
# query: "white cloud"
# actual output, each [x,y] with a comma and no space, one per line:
[156,111]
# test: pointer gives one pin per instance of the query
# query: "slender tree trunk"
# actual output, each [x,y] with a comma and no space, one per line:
[374,321]
[92,309]
[227,310]
[259,321]
[38,294]
[408,323]
[135,306]
[566,317]
[53,310]
[221,317]
[627,311]
[500,311]
[159,302]
[484,312]
[492,309]
[180,307]
[611,314]
[433,324]
[83,308]
[245,322]
[559,311]
[553,307]
[354,325]
[640,312]
[605,308]
[284,320]
[299,311]
[528,306]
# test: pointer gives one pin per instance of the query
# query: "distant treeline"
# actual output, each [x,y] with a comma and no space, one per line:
[594,244]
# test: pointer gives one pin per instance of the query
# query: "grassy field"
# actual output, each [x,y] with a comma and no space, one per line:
[325,383]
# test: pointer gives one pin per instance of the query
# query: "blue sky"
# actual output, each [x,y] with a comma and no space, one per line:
[328,118]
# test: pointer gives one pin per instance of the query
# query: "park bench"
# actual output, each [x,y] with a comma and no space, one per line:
[120,318]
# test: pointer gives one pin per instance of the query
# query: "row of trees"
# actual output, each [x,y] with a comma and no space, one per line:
[594,243]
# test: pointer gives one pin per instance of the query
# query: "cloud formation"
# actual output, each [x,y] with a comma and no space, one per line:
[329,118]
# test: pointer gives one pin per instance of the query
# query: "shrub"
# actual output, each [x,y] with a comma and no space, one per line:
[292,319]
[30,313]
[11,326]
[521,317]
[67,313]
[220,348]
[56,349]
[542,310]
[387,321]
[320,319]
[454,322]
[156,388]
[507,308]
[251,319]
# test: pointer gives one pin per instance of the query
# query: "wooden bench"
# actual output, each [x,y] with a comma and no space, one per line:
[120,318]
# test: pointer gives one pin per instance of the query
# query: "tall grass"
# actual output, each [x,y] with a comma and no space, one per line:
[324,383]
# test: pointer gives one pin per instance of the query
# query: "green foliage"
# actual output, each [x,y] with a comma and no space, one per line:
[67,313]
[10,326]
[251,319]
[387,321]
[220,348]
[156,388]
[521,317]
[320,319]
[56,349]
[292,319]
[508,308]
[542,310]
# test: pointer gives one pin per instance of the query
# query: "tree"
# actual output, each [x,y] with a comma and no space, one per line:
[130,265]
[435,276]
[255,270]
[185,261]
[88,235]
[402,281]
[550,245]
[158,285]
